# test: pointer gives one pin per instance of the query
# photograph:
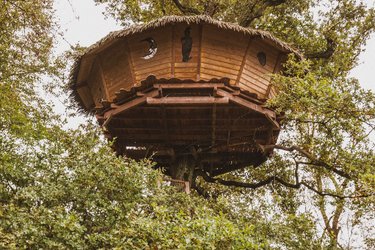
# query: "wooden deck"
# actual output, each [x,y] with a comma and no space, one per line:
[218,124]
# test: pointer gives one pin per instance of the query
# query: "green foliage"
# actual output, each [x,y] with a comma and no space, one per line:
[67,190]
[72,192]
[327,141]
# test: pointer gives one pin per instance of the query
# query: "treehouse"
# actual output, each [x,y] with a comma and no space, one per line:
[188,91]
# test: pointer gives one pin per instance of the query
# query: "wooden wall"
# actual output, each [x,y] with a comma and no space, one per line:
[215,53]
[222,53]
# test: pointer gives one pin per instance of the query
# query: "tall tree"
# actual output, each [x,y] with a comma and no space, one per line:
[327,146]
[67,190]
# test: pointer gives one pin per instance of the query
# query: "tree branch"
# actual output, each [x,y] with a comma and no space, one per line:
[255,13]
[210,179]
[271,179]
[185,9]
[308,155]
[211,8]
[327,53]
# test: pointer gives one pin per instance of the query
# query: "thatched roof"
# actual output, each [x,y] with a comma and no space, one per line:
[163,22]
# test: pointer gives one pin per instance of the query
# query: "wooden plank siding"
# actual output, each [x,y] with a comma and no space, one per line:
[160,64]
[116,68]
[186,70]
[97,87]
[255,77]
[215,53]
[221,53]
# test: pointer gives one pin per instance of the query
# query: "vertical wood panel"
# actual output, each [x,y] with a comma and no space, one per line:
[186,70]
[256,77]
[173,52]
[104,82]
[117,71]
[96,84]
[157,65]
[224,47]
[130,62]
[200,52]
[243,62]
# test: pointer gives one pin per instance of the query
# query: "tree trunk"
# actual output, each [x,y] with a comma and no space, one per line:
[183,168]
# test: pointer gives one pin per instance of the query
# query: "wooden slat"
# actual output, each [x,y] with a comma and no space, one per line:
[243,62]
[213,131]
[221,47]
[252,61]
[173,53]
[232,38]
[141,63]
[263,77]
[104,82]
[190,128]
[268,49]
[182,70]
[154,68]
[162,73]
[218,74]
[206,76]
[188,85]
[130,61]
[222,57]
[251,89]
[256,83]
[258,70]
[220,69]
[178,137]
[96,85]
[247,104]
[186,100]
[222,64]
[131,104]
[200,52]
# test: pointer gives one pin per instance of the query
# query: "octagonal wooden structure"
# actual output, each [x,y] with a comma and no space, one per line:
[184,86]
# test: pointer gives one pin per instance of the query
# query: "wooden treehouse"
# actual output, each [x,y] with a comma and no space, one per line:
[188,91]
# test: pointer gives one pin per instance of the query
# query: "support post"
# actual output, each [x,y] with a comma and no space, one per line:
[183,170]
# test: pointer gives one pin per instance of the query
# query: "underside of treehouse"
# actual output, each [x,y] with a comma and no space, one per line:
[184,86]
[217,124]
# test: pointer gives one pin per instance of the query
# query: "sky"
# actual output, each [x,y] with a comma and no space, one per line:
[82,22]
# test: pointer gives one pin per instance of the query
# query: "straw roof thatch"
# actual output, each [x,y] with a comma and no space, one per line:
[163,22]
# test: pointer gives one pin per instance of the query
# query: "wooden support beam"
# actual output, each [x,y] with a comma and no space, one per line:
[81,85]
[131,104]
[165,124]
[106,122]
[245,103]
[274,123]
[188,85]
[191,128]
[187,100]
[160,137]
[213,130]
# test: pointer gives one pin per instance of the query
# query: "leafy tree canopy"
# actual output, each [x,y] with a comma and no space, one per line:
[66,189]
[326,150]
